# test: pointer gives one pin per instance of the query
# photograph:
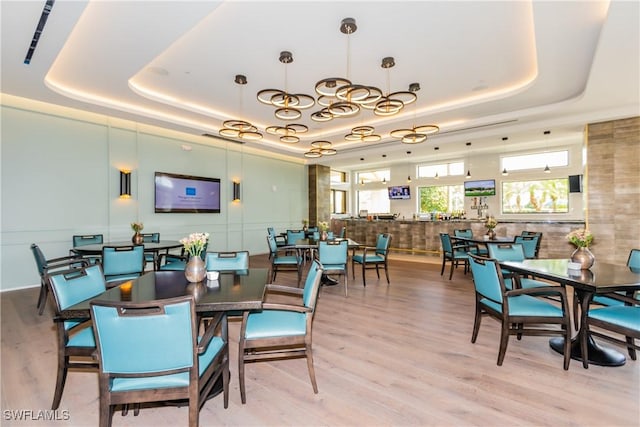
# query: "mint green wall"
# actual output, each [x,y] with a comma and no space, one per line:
[60,176]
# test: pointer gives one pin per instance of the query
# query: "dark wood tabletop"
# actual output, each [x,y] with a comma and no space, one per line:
[96,249]
[233,291]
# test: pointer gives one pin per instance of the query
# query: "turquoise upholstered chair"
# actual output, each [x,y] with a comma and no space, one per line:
[151,351]
[529,244]
[122,263]
[227,261]
[76,344]
[84,240]
[455,254]
[512,252]
[467,233]
[371,257]
[281,330]
[538,234]
[517,308]
[621,319]
[316,235]
[280,261]
[47,266]
[295,235]
[333,255]
[280,240]
[614,299]
[150,238]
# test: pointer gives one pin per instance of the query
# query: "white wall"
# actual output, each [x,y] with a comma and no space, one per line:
[60,176]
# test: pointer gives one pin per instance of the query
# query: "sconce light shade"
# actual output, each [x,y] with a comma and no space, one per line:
[125,184]
[236,191]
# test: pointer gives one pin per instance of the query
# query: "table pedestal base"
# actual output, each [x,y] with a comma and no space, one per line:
[596,355]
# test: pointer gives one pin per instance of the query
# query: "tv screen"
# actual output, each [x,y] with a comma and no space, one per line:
[399,192]
[186,194]
[486,187]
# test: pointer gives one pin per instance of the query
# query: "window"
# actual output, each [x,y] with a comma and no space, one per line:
[536,161]
[374,201]
[542,196]
[443,198]
[374,176]
[338,177]
[338,201]
[444,169]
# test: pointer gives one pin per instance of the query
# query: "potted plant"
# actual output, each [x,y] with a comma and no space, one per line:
[194,245]
[581,239]
[137,238]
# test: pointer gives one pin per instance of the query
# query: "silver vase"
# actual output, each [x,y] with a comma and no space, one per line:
[195,270]
[584,257]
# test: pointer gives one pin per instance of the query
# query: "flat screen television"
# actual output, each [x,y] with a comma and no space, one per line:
[399,192]
[485,187]
[186,194]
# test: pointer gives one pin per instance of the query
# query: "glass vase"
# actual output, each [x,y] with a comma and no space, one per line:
[584,257]
[195,270]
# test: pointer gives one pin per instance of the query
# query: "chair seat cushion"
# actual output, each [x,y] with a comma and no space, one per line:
[602,300]
[624,316]
[173,380]
[82,338]
[333,267]
[275,323]
[525,305]
[526,283]
[286,260]
[370,258]
[122,277]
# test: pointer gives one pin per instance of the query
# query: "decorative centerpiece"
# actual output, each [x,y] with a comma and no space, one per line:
[323,226]
[305,224]
[581,239]
[491,225]
[137,238]
[195,270]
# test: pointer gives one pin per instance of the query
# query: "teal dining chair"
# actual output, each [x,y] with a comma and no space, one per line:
[516,309]
[76,344]
[227,261]
[281,330]
[333,256]
[280,261]
[467,233]
[621,319]
[47,266]
[122,263]
[175,262]
[529,244]
[280,240]
[150,238]
[513,252]
[295,235]
[84,240]
[373,257]
[151,352]
[455,254]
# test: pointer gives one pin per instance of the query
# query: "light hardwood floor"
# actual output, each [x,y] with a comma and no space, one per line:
[386,355]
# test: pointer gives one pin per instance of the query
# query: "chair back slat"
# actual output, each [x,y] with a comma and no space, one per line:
[332,252]
[466,232]
[87,239]
[151,237]
[487,278]
[312,285]
[382,244]
[147,337]
[119,260]
[445,240]
[634,258]
[221,261]
[72,286]
[506,251]
[294,235]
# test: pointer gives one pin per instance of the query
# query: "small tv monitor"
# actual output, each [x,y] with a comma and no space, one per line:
[399,192]
[485,187]
[186,194]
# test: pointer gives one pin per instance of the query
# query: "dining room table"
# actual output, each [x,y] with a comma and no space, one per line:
[601,278]
[310,245]
[236,290]
[154,247]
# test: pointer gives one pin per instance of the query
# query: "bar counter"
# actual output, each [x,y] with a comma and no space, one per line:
[423,237]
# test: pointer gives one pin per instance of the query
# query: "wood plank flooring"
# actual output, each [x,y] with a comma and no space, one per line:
[397,355]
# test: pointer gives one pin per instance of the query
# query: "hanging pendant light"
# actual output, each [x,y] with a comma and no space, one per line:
[504,169]
[468,170]
[436,150]
[240,129]
[546,133]
[416,134]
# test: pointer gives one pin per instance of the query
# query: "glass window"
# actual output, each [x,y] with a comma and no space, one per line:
[535,161]
[442,198]
[374,176]
[338,177]
[443,169]
[374,201]
[338,201]
[541,196]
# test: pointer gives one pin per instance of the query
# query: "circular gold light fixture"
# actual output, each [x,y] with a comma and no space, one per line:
[288,133]
[363,133]
[241,129]
[288,105]
[319,149]
[415,134]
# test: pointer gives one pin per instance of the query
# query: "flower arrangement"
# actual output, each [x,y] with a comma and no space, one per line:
[491,223]
[323,225]
[195,243]
[305,222]
[137,226]
[581,238]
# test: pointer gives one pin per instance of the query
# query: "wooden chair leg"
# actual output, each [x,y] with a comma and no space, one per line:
[312,373]
[60,381]
[504,341]
[42,298]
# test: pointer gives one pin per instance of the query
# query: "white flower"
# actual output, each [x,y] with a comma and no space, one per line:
[195,243]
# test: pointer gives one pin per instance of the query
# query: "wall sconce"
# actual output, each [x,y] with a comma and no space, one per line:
[236,191]
[125,184]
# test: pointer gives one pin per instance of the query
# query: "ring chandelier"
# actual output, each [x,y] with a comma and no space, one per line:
[240,128]
[416,134]
[319,149]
